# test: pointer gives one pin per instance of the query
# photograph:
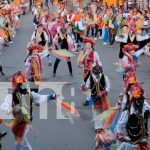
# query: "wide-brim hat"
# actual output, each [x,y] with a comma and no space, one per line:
[39,25]
[130,47]
[18,78]
[89,40]
[35,47]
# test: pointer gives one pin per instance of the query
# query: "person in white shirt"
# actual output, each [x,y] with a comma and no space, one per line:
[81,27]
[39,36]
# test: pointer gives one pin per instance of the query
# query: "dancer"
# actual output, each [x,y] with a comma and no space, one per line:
[125,36]
[20,128]
[132,127]
[20,89]
[99,86]
[61,42]
[34,64]
[88,58]
[129,60]
[39,36]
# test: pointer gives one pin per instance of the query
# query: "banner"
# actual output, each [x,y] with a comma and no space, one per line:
[113,2]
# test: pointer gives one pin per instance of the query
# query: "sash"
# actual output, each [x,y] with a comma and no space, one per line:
[36,68]
[130,58]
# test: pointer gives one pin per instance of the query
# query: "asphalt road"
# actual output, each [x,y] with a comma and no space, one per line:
[58,134]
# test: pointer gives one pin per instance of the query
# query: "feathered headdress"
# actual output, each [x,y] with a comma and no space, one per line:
[136,90]
[37,47]
[17,78]
[89,40]
[130,78]
[130,47]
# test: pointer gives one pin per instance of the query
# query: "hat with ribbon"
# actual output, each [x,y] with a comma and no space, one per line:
[130,47]
[18,78]
[89,40]
[35,47]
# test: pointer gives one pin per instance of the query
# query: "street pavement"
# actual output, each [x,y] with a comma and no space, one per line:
[62,134]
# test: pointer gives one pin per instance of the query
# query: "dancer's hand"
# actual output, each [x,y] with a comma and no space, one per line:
[80,65]
[123,138]
[83,87]
[102,93]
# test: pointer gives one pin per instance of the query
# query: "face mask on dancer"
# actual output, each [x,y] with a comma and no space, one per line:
[97,71]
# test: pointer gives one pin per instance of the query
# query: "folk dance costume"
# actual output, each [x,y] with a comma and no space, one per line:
[143,33]
[34,66]
[107,135]
[88,58]
[61,42]
[99,86]
[20,128]
[35,12]
[127,121]
[125,37]
[19,90]
[39,36]
[132,126]
[20,125]
[130,57]
[78,28]
[90,27]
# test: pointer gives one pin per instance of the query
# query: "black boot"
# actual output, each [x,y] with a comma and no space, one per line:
[1,71]
[57,61]
[70,68]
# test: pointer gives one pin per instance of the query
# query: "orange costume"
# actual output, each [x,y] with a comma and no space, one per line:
[36,64]
[87,58]
[36,69]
